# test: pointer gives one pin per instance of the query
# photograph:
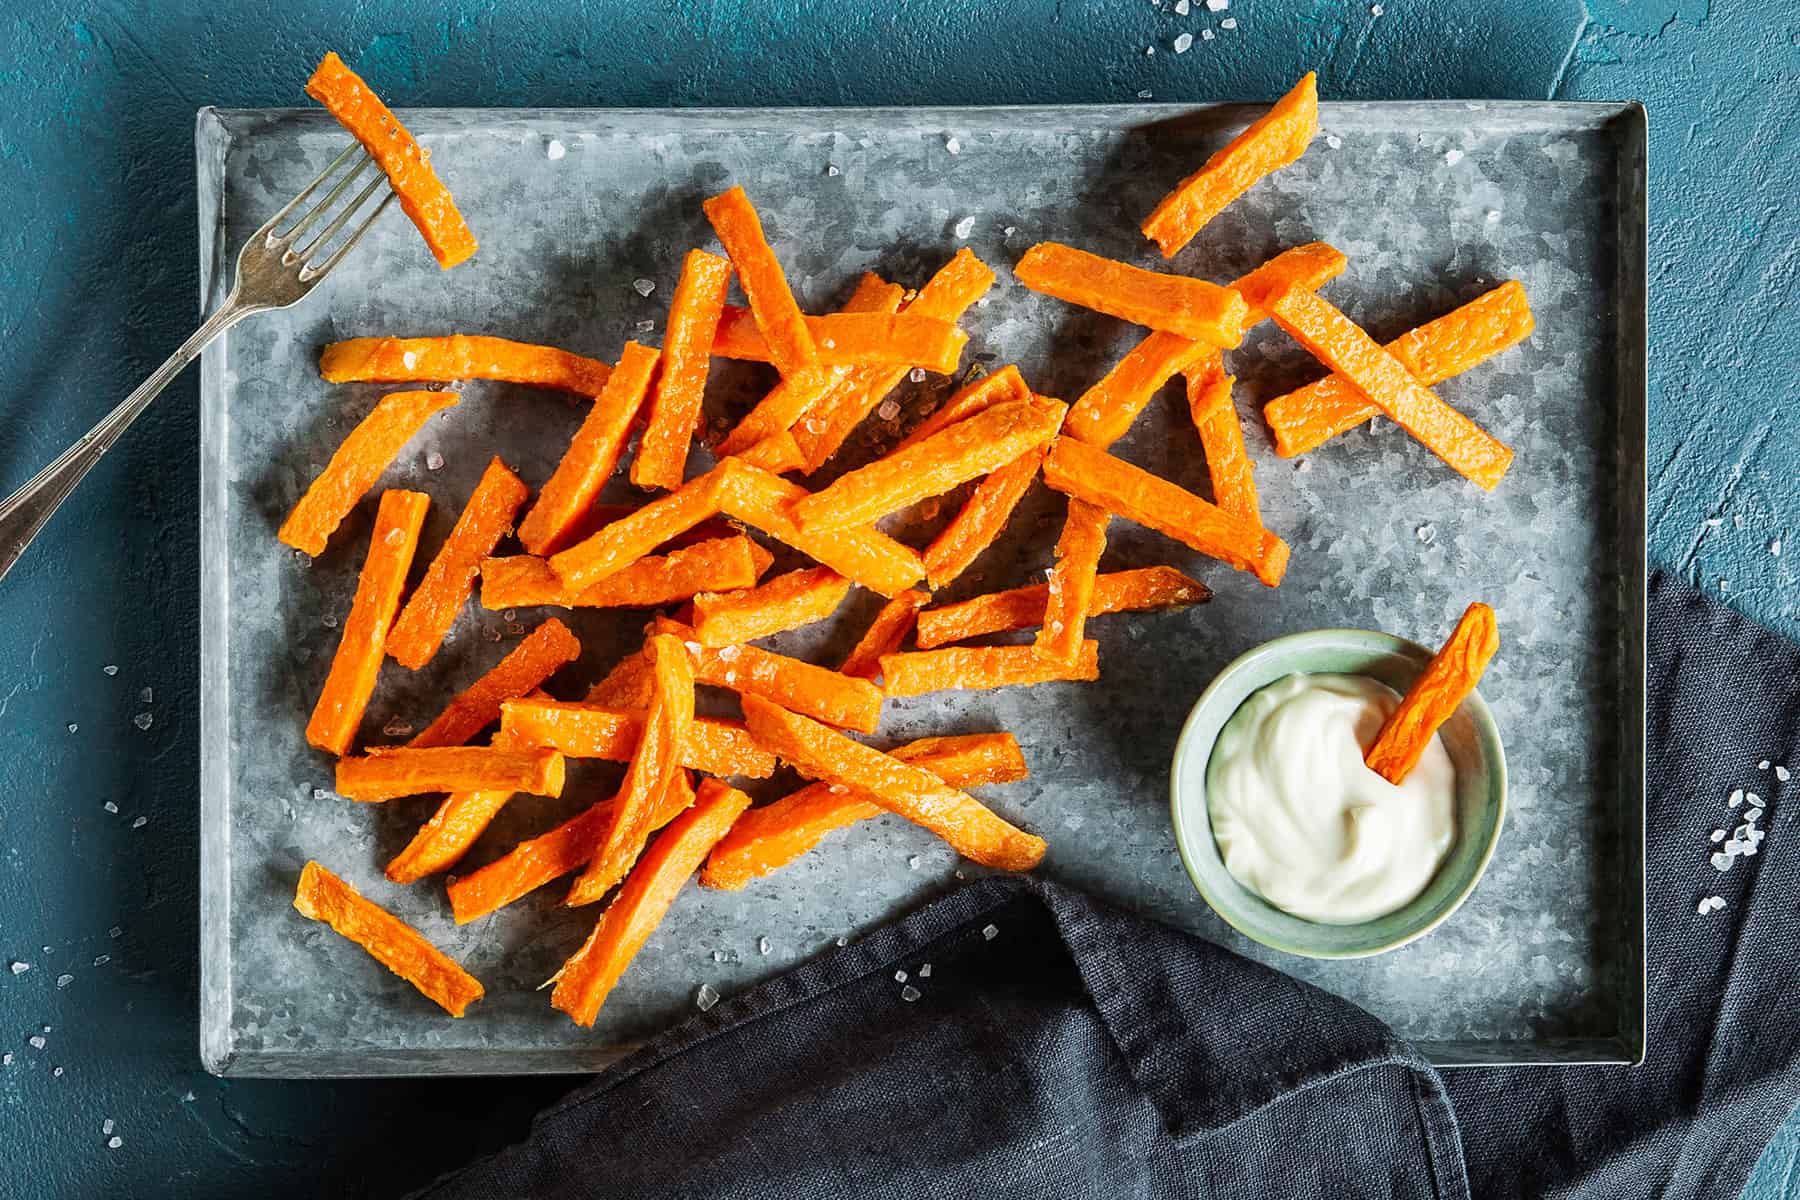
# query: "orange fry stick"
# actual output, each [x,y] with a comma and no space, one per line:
[815,692]
[459,356]
[445,588]
[630,538]
[1002,386]
[1341,344]
[351,681]
[778,454]
[983,667]
[599,516]
[790,343]
[768,838]
[452,829]
[1310,266]
[784,602]
[592,457]
[1178,304]
[653,769]
[845,339]
[984,442]
[423,196]
[1273,140]
[1078,469]
[521,581]
[537,656]
[866,556]
[712,745]
[776,412]
[680,391]
[1222,439]
[1305,419]
[885,633]
[1021,608]
[627,685]
[591,973]
[1071,587]
[1434,696]
[390,772]
[982,519]
[568,847]
[355,466]
[948,294]
[393,943]
[819,752]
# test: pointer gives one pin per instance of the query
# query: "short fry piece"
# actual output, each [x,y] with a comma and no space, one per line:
[1310,266]
[680,391]
[1002,386]
[790,342]
[768,838]
[847,339]
[784,602]
[434,604]
[388,773]
[1445,683]
[520,581]
[1106,411]
[1178,304]
[355,466]
[589,975]
[982,519]
[980,668]
[357,662]
[1341,344]
[819,752]
[865,555]
[1021,608]
[988,440]
[393,943]
[1222,439]
[1071,587]
[592,456]
[885,633]
[815,692]
[423,196]
[1273,140]
[459,356]
[1305,419]
[630,538]
[537,656]
[712,745]
[1128,491]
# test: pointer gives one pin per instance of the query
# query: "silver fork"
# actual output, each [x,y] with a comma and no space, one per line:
[271,273]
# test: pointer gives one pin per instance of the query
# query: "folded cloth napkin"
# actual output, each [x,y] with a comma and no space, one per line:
[1044,1045]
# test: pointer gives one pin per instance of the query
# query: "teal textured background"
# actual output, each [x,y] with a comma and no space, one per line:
[97,282]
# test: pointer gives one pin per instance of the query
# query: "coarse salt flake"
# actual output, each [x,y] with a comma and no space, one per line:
[1228,23]
[1375,10]
[19,968]
[1182,42]
[1752,799]
[1736,798]
[1334,141]
[1718,835]
[1206,35]
[917,374]
[1453,156]
[410,358]
[37,1041]
[1721,861]
[555,150]
[1181,8]
[110,807]
[705,998]
[1217,5]
[1781,773]
[139,822]
[63,981]
[1775,546]
[106,1126]
[1714,522]
[964,228]
[925,971]
[114,1142]
[990,932]
[952,145]
[762,945]
[1763,765]
[143,720]
[643,287]
[646,326]
[888,410]
[899,976]
[109,669]
[74,728]
[909,993]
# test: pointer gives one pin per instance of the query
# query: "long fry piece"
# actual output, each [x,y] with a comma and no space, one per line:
[459,356]
[393,943]
[784,602]
[630,538]
[982,668]
[1139,590]
[866,556]
[1003,386]
[387,774]
[1434,696]
[521,581]
[884,634]
[845,339]
[1222,439]
[1178,304]
[1310,266]
[790,342]
[1071,587]
[356,464]
[537,656]
[680,391]
[351,681]
[812,691]
[712,745]
[461,818]
[982,519]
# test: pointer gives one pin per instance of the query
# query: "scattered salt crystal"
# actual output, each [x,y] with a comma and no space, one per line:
[1375,10]
[1426,533]
[727,653]
[843,941]
[1763,765]
[100,960]
[63,981]
[58,1073]
[114,1142]
[1753,816]
[899,976]
[829,343]
[1749,851]
[110,807]
[1742,832]
[109,670]
[1182,8]
[1182,42]
[917,374]
[1453,156]
[964,228]
[19,968]
[909,993]
[1304,464]
[139,822]
[37,1041]
[1752,799]
[1720,861]
[114,932]
[329,621]
[705,998]
[143,720]
[646,326]
[555,150]
[6,1059]
[1718,835]
[692,647]
[1145,93]
[990,932]
[762,945]
[1206,35]
[321,794]
[644,286]
[1228,23]
[1217,5]
[1736,798]
[394,538]
[106,1126]
[410,359]
[1149,51]
[912,863]
[925,971]
[1737,520]
[952,145]
[434,461]
[838,789]
[1775,546]
[718,956]
[73,727]
[832,171]
[1781,773]
[188,1099]
[1714,522]
[1334,141]
[888,410]
[1704,907]
[1012,229]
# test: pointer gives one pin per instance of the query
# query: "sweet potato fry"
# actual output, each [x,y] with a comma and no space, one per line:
[445,588]
[832,418]
[627,685]
[390,772]
[865,556]
[1273,140]
[1445,683]
[1124,490]
[1021,608]
[982,519]
[1310,266]
[423,196]
[521,580]
[537,656]
[768,838]
[1177,304]
[778,454]
[536,861]
[885,633]
[590,974]
[984,442]
[1003,386]
[790,343]
[630,538]
[784,602]
[351,680]
[712,745]
[453,828]
[1106,411]
[679,393]
[1222,439]
[393,943]
[459,356]
[654,767]
[846,339]
[1306,419]
[815,692]
[1071,586]
[819,752]
[1342,345]
[592,456]
[980,668]
[355,466]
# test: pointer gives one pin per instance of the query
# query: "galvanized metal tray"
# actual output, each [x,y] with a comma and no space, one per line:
[1433,202]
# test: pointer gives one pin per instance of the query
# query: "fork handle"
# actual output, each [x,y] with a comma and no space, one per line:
[24,513]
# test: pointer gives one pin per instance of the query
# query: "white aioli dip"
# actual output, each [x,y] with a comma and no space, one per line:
[1301,821]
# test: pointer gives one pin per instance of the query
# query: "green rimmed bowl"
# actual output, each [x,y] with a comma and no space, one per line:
[1469,735]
